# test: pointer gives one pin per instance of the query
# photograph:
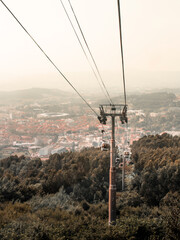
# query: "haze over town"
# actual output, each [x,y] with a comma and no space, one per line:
[151,45]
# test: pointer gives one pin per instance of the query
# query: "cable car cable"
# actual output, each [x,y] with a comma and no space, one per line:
[90,52]
[83,48]
[122,54]
[49,59]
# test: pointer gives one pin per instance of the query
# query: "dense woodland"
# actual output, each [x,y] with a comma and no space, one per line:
[66,196]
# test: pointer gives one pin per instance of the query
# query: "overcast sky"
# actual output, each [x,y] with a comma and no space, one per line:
[151,38]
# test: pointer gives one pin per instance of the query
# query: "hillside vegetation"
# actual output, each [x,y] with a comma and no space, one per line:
[83,175]
[66,196]
[157,167]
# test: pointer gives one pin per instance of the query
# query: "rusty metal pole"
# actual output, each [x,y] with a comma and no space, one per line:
[112,111]
[112,178]
[123,174]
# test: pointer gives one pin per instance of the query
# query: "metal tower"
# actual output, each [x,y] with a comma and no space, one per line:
[112,110]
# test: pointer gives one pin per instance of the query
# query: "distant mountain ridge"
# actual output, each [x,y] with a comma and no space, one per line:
[33,94]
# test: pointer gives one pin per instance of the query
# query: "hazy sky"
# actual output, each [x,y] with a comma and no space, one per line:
[151,38]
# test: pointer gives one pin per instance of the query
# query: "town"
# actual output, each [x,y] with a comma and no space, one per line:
[35,130]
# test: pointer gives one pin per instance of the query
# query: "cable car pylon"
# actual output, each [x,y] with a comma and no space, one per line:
[113,111]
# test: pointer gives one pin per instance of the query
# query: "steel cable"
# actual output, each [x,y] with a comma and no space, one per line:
[84,50]
[50,59]
[90,52]
[122,55]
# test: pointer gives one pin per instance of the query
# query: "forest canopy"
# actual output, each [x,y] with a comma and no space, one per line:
[66,196]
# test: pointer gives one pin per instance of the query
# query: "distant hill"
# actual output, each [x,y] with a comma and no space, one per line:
[149,101]
[153,101]
[34,94]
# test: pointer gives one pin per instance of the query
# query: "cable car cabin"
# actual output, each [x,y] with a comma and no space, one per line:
[105,146]
[126,154]
[117,161]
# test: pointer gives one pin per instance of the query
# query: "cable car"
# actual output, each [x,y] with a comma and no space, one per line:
[105,146]
[126,154]
[117,161]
